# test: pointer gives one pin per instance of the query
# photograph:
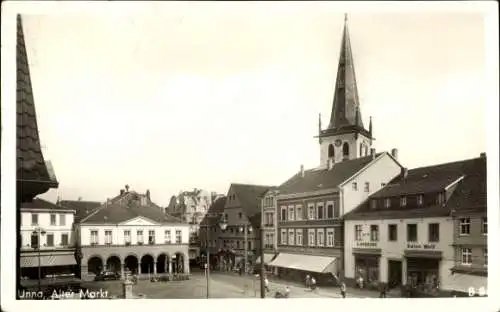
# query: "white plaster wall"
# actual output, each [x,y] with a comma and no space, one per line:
[395,250]
[44,223]
[382,171]
[353,147]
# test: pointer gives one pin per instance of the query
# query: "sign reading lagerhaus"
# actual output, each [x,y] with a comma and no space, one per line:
[366,244]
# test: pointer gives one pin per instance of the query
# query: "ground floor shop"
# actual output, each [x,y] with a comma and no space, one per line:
[48,264]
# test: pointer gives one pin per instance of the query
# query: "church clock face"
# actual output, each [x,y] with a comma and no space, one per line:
[338,142]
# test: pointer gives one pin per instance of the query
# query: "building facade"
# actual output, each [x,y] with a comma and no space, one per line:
[405,234]
[132,234]
[311,204]
[210,231]
[47,240]
[270,225]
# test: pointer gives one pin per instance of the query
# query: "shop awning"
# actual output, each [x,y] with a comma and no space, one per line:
[46,260]
[267,258]
[318,264]
[429,254]
[367,251]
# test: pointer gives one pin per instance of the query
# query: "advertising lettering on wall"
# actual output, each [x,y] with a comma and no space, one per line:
[366,244]
[420,246]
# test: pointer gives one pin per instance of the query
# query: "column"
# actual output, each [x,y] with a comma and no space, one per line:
[154,268]
[405,271]
[170,266]
[84,272]
[139,268]
[165,266]
[186,265]
[122,270]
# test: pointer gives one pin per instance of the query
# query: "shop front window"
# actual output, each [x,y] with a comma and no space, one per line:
[367,269]
[423,274]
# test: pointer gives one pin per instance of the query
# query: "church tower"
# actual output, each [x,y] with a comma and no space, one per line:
[345,137]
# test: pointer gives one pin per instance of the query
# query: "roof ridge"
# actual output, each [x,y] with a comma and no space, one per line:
[455,162]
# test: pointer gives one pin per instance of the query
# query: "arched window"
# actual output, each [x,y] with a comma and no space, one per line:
[345,149]
[331,151]
[361,150]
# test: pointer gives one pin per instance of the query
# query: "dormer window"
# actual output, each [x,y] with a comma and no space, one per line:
[402,201]
[420,200]
[367,186]
[387,202]
[354,186]
[440,199]
[373,203]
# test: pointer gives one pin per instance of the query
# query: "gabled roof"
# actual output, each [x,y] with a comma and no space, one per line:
[82,208]
[214,212]
[469,194]
[123,207]
[249,196]
[322,178]
[38,203]
[31,165]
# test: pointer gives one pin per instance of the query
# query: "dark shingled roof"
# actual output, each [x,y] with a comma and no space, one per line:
[469,194]
[82,208]
[214,212]
[124,207]
[38,203]
[31,165]
[249,196]
[322,178]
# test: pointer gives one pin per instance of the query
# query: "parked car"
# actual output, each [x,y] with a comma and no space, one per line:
[107,276]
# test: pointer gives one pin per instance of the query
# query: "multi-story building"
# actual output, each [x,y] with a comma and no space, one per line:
[311,204]
[131,233]
[34,175]
[210,231]
[242,211]
[47,239]
[269,223]
[404,233]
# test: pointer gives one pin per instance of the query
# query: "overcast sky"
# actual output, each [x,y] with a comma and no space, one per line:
[170,99]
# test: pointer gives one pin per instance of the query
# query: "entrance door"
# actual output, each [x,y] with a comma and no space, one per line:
[395,277]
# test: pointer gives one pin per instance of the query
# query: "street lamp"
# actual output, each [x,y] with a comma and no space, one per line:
[246,229]
[223,225]
[39,232]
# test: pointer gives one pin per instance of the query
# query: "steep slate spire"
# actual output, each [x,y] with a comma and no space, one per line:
[345,110]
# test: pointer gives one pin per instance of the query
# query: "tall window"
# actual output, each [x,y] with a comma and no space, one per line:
[178,237]
[354,186]
[283,213]
[387,203]
[393,232]
[283,237]
[168,237]
[336,211]
[52,219]
[320,211]
[358,232]
[433,232]
[127,237]
[329,210]
[440,199]
[50,240]
[237,244]
[374,233]
[466,256]
[108,237]
[321,237]
[485,226]
[62,220]
[64,239]
[298,237]
[402,201]
[140,237]
[94,237]
[34,241]
[291,237]
[330,237]
[345,150]
[291,213]
[271,240]
[34,219]
[485,256]
[420,200]
[331,151]
[312,237]
[373,203]
[411,232]
[151,237]
[367,186]
[465,226]
[298,212]
[311,212]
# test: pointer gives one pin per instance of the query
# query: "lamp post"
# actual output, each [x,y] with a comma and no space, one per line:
[223,225]
[39,232]
[246,229]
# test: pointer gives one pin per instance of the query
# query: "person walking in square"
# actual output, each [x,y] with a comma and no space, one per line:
[343,289]
[308,281]
[383,290]
[266,283]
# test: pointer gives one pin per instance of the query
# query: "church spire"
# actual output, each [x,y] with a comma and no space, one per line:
[345,108]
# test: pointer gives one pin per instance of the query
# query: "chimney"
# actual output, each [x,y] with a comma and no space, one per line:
[404,173]
[122,191]
[482,155]
[330,164]
[394,153]
[302,173]
[372,153]
[148,195]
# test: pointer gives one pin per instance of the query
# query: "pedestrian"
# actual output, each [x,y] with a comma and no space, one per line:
[266,283]
[313,283]
[308,281]
[287,292]
[343,289]
[383,290]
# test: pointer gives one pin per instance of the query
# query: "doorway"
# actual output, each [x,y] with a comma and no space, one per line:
[395,277]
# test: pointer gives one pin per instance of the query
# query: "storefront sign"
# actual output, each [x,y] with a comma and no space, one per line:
[366,244]
[420,246]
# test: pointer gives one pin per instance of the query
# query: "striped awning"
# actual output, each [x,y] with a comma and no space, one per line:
[47,260]
[308,263]
[267,258]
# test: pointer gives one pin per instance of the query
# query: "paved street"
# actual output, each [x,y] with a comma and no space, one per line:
[226,286]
